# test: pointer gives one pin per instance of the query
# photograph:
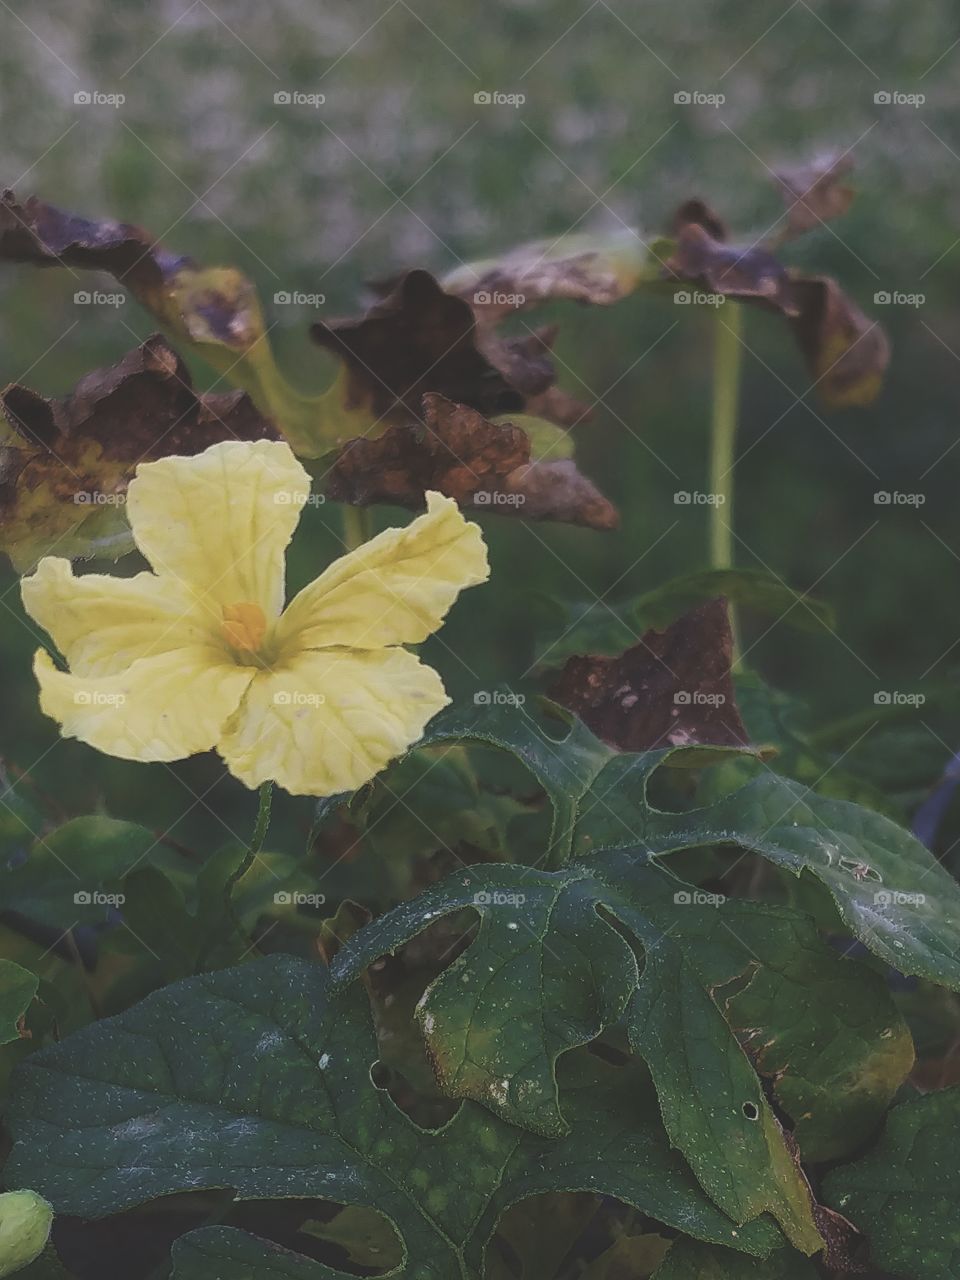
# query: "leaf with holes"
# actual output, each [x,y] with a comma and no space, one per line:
[257,1079]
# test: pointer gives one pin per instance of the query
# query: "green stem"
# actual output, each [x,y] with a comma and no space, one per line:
[357,526]
[727,353]
[727,358]
[260,828]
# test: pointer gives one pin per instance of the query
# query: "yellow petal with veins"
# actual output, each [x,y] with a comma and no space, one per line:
[328,721]
[395,589]
[102,624]
[220,522]
[161,708]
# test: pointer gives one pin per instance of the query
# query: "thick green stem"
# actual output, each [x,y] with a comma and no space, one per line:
[357,527]
[727,353]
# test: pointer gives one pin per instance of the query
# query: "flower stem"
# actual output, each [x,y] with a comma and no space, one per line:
[727,357]
[230,914]
[723,434]
[357,526]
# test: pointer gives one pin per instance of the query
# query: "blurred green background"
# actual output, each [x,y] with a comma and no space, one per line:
[399,167]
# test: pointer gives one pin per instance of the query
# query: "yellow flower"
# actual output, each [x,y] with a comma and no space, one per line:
[200,653]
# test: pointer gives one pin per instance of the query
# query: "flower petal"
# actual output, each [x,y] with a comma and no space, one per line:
[161,708]
[329,720]
[221,521]
[395,589]
[103,624]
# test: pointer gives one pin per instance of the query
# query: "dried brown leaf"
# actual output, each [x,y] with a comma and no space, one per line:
[673,688]
[482,464]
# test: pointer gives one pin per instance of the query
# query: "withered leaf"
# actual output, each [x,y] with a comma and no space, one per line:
[673,688]
[526,364]
[846,353]
[39,233]
[584,267]
[65,463]
[482,464]
[748,274]
[814,192]
[416,339]
[213,311]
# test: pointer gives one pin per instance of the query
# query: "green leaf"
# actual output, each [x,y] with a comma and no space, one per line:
[903,1194]
[890,891]
[73,875]
[17,989]
[611,627]
[257,1079]
[690,1260]
[224,1253]
[564,974]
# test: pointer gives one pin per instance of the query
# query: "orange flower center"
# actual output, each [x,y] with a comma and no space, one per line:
[244,626]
